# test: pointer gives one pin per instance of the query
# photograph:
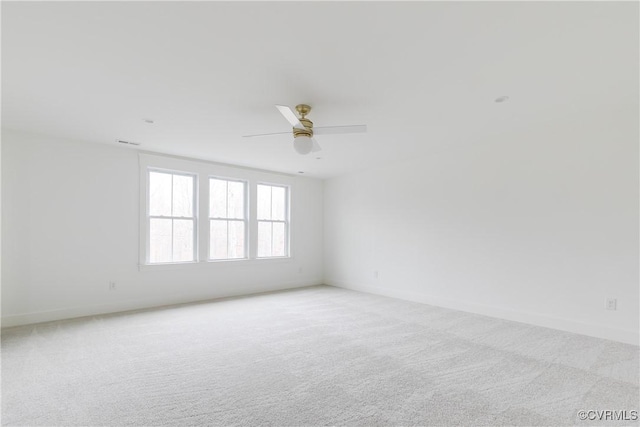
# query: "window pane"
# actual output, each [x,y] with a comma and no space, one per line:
[236,239]
[279,236]
[217,198]
[182,195]
[264,239]
[182,240]
[264,202]
[278,203]
[236,199]
[218,239]
[159,194]
[160,240]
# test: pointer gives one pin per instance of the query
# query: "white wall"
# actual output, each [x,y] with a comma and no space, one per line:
[70,225]
[538,227]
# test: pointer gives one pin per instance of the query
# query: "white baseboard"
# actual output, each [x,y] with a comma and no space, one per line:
[141,304]
[593,330]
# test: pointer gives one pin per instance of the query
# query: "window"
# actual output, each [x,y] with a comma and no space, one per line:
[196,214]
[273,221]
[171,217]
[227,219]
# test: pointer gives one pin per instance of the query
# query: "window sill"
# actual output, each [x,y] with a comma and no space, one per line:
[273,258]
[211,263]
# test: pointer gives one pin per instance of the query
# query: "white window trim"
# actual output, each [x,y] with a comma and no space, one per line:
[148,216]
[286,221]
[204,170]
[246,221]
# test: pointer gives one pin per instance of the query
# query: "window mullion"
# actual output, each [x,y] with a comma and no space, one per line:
[227,215]
[227,222]
[251,211]
[172,239]
[287,228]
[195,224]
[203,223]
[171,195]
[272,227]
[172,221]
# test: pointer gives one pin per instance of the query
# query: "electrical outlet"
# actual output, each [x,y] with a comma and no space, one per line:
[611,304]
[112,286]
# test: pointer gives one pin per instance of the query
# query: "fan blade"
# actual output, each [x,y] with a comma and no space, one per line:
[267,134]
[315,147]
[290,116]
[328,130]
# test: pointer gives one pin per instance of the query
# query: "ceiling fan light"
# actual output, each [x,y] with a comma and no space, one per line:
[303,144]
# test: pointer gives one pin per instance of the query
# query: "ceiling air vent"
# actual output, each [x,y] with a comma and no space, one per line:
[121,141]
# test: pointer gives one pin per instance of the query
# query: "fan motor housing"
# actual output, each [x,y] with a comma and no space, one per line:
[308,131]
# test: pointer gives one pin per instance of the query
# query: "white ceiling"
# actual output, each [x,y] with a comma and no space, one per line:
[422,76]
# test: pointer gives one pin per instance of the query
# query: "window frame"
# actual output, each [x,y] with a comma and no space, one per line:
[286,221]
[246,220]
[193,217]
[203,170]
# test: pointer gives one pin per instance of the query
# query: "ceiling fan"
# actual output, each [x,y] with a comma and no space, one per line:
[303,130]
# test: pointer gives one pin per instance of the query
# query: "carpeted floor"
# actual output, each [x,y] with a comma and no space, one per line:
[312,356]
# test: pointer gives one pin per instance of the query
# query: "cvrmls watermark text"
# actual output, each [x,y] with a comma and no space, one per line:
[608,415]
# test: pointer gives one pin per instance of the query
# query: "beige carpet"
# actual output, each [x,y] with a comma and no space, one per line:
[313,356]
